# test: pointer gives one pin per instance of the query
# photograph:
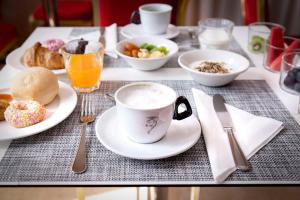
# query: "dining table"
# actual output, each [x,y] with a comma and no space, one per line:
[46,158]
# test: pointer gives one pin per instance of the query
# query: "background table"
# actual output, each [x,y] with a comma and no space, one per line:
[240,33]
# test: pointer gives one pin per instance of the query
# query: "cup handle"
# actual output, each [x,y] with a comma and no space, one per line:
[135,17]
[188,112]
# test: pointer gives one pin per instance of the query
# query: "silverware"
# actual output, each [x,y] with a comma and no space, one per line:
[102,36]
[192,33]
[192,41]
[87,116]
[110,97]
[226,121]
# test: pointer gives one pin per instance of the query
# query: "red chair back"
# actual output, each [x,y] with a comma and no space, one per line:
[119,11]
[254,11]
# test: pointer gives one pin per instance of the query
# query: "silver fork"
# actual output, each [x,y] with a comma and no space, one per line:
[192,34]
[87,116]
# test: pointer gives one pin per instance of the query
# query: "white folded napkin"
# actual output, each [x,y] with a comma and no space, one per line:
[110,39]
[252,133]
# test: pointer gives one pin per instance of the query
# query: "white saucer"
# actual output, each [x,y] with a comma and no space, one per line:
[181,136]
[14,60]
[135,30]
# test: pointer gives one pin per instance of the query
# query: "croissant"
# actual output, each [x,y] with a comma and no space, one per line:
[43,57]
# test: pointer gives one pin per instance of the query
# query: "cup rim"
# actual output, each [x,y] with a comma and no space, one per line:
[297,51]
[201,22]
[279,48]
[167,6]
[252,25]
[163,40]
[119,102]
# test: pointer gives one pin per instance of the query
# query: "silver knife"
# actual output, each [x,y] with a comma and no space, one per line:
[102,36]
[226,121]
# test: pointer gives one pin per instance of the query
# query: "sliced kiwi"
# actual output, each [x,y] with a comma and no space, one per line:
[257,44]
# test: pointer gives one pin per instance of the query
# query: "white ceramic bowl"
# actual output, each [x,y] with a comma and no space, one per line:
[236,62]
[147,64]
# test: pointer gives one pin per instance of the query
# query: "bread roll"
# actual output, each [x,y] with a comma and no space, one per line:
[39,84]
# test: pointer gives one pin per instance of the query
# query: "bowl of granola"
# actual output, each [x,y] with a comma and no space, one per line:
[146,53]
[213,67]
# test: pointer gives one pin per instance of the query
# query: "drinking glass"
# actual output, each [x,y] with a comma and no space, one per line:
[290,73]
[84,70]
[258,34]
[215,33]
[273,55]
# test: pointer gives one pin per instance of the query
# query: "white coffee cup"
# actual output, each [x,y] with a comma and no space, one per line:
[145,110]
[154,17]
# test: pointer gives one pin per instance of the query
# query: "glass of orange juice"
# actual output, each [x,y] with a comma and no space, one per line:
[84,64]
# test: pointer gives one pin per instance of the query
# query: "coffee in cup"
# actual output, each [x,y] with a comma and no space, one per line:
[145,110]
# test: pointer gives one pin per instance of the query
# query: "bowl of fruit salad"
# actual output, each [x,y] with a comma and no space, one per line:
[146,53]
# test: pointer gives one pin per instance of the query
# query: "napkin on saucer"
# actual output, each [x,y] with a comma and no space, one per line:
[110,38]
[252,133]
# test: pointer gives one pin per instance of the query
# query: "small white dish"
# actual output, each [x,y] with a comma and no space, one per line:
[136,30]
[58,110]
[181,136]
[14,60]
[237,64]
[147,64]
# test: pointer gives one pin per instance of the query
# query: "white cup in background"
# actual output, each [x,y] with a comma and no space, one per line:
[154,17]
[145,110]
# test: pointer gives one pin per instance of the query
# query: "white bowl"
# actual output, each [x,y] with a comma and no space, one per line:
[147,63]
[236,63]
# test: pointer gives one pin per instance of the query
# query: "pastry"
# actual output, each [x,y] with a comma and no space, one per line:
[21,114]
[4,103]
[53,44]
[39,84]
[41,56]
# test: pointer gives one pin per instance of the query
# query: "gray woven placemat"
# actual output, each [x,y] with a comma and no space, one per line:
[183,39]
[47,157]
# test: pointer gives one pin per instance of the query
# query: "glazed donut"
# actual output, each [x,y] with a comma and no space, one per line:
[21,114]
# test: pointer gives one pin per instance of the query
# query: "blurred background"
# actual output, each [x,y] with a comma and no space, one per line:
[19,18]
